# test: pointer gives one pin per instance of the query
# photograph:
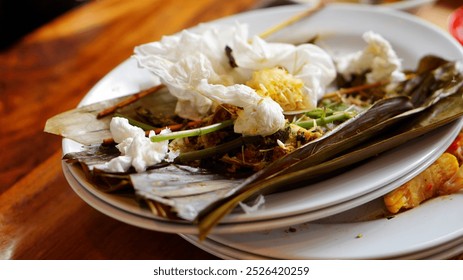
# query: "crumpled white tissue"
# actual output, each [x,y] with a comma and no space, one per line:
[195,68]
[256,205]
[136,149]
[378,58]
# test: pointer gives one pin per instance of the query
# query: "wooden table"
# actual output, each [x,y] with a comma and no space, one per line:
[49,71]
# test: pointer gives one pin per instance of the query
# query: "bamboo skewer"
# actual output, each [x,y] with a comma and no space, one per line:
[292,20]
[354,89]
[128,101]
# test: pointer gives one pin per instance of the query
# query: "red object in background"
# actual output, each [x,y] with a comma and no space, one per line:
[456,24]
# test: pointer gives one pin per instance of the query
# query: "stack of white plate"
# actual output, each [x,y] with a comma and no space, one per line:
[341,217]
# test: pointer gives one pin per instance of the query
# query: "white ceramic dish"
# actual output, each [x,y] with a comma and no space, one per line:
[133,214]
[436,236]
[279,207]
[447,251]
[409,5]
[222,251]
[453,252]
[337,37]
[405,5]
[415,230]
[130,206]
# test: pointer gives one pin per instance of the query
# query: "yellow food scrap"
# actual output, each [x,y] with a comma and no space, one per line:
[454,184]
[427,184]
[456,148]
[281,86]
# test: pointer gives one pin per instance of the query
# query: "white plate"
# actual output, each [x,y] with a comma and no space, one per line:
[446,251]
[220,250]
[453,252]
[408,5]
[133,214]
[405,5]
[331,231]
[129,205]
[337,37]
[434,223]
[371,180]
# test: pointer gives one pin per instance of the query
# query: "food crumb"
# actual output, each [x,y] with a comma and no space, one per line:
[291,229]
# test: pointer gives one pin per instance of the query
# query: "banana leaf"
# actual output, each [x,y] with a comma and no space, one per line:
[94,155]
[355,141]
[345,136]
[187,190]
[83,126]
[435,76]
[440,83]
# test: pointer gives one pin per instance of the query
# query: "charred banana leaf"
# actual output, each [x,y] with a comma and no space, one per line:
[347,135]
[355,140]
[181,191]
[94,155]
[187,190]
[441,82]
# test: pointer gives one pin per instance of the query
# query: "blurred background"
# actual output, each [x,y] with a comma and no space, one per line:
[19,17]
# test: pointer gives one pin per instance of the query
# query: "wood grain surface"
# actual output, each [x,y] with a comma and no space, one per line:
[49,71]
